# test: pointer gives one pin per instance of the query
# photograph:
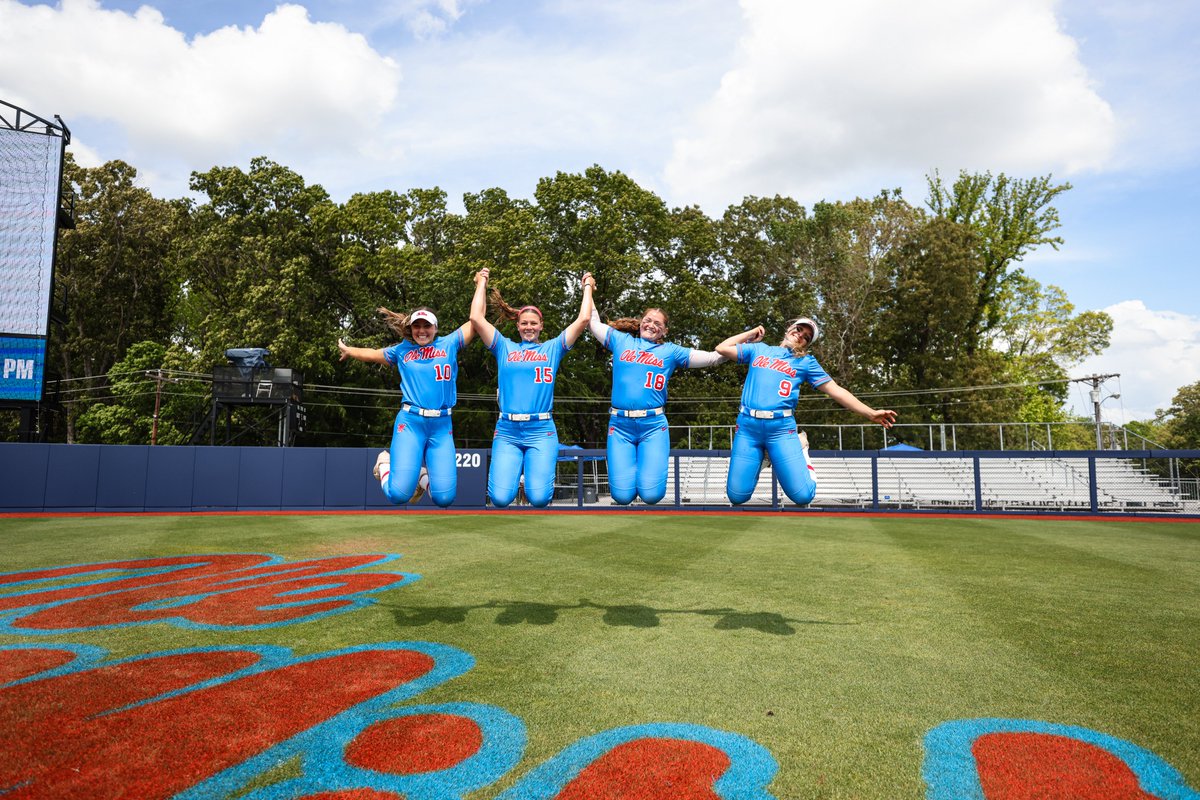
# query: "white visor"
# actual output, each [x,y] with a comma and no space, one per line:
[816,330]
[424,314]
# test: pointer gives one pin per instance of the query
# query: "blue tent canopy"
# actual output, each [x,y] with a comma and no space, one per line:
[570,452]
[902,446]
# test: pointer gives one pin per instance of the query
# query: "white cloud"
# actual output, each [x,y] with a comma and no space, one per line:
[837,96]
[1154,352]
[289,84]
[424,19]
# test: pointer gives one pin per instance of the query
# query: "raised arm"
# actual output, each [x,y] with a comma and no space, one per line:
[598,328]
[846,399]
[705,358]
[367,354]
[468,332]
[728,348]
[571,334]
[479,321]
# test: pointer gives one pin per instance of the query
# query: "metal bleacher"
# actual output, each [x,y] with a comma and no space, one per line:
[1006,481]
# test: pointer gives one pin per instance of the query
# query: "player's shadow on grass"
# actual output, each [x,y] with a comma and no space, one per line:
[513,612]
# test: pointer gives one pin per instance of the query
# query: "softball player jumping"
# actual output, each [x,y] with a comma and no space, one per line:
[422,433]
[766,420]
[638,440]
[526,439]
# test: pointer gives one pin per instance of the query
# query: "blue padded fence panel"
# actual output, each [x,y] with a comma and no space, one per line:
[472,479]
[304,477]
[373,496]
[23,469]
[72,477]
[122,480]
[215,486]
[260,478]
[170,474]
[347,472]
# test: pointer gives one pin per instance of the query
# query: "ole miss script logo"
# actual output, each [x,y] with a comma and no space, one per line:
[521,356]
[641,357]
[266,723]
[426,353]
[777,364]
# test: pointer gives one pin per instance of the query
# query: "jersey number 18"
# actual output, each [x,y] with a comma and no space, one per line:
[655,381]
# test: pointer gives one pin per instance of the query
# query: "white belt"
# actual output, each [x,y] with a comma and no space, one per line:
[638,412]
[758,414]
[526,417]
[426,412]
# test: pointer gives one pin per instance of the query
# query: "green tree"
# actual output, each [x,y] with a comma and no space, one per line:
[848,254]
[604,223]
[1013,217]
[761,241]
[1041,337]
[924,329]
[1179,423]
[257,274]
[146,380]
[115,280]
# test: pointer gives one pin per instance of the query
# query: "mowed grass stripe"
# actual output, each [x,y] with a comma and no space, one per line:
[835,642]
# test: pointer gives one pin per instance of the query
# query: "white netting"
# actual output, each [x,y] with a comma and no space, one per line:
[29,175]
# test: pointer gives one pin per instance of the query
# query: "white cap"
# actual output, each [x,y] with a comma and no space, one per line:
[810,323]
[423,313]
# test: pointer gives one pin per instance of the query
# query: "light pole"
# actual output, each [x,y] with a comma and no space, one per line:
[1094,394]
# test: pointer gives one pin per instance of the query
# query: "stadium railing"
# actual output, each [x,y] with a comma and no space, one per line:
[1072,481]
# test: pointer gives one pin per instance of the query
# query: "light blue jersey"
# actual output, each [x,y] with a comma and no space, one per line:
[772,384]
[429,373]
[641,369]
[428,379]
[775,375]
[527,373]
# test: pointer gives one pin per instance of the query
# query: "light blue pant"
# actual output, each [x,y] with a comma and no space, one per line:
[529,448]
[638,449]
[420,440]
[777,438]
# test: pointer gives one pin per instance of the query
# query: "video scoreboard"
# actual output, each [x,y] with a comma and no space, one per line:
[31,157]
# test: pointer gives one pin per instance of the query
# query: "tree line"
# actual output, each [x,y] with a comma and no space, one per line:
[927,304]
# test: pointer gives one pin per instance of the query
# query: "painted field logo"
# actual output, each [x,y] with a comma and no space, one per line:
[236,592]
[263,723]
[1021,759]
[211,722]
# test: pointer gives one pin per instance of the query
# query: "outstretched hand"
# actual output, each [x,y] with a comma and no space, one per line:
[482,276]
[755,334]
[589,281]
[343,350]
[885,417]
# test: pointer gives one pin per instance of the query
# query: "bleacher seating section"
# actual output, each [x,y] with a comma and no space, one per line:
[1005,483]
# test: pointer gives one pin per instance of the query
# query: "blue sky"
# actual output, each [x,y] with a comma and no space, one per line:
[702,101]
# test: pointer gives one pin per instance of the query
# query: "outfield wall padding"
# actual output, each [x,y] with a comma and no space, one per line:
[83,477]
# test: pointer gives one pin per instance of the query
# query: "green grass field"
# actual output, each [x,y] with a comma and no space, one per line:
[836,643]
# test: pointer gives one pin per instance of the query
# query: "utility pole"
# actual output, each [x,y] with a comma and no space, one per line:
[1094,394]
[158,379]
